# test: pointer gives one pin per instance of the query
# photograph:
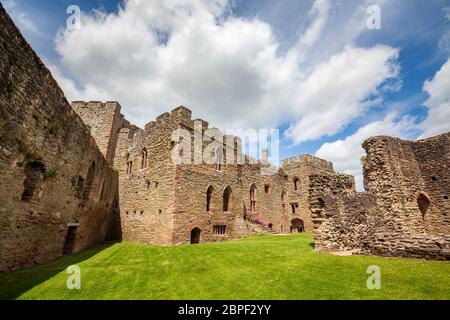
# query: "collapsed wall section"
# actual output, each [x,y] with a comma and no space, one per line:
[405,211]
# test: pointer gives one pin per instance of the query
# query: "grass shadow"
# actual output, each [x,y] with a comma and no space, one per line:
[14,284]
[312,245]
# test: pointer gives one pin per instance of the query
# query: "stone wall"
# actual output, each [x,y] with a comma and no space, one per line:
[161,202]
[54,181]
[104,120]
[300,169]
[405,211]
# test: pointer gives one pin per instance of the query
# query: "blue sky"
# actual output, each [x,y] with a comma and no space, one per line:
[311,68]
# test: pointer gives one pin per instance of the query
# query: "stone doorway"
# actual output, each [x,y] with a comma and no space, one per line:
[297,226]
[71,237]
[195,235]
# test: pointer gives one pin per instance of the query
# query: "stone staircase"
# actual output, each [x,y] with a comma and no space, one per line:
[256,224]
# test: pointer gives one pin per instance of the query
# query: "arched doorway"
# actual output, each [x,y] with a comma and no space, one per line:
[297,226]
[195,235]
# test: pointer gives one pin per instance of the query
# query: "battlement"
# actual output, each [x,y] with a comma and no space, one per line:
[307,161]
[96,106]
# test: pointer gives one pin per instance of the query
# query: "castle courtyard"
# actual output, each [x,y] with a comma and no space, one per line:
[260,267]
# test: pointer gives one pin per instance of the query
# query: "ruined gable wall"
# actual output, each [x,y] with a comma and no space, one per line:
[104,121]
[387,219]
[343,219]
[397,171]
[45,149]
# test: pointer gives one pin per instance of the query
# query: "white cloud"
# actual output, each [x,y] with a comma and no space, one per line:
[438,103]
[21,18]
[336,92]
[154,55]
[320,10]
[346,154]
[72,90]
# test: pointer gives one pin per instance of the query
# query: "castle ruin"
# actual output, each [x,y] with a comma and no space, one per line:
[75,175]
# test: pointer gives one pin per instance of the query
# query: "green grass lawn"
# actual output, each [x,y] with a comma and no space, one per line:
[263,267]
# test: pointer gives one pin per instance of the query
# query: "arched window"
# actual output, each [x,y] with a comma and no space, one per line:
[144,155]
[283,199]
[253,198]
[129,167]
[424,203]
[296,184]
[89,184]
[209,195]
[227,198]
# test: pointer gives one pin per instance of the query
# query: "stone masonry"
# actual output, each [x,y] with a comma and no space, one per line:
[165,203]
[72,176]
[57,192]
[406,209]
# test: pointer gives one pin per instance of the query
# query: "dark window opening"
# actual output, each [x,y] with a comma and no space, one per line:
[321,202]
[227,197]
[266,188]
[78,184]
[253,198]
[294,207]
[34,172]
[270,225]
[209,194]
[195,235]
[434,178]
[144,155]
[71,237]
[219,230]
[297,226]
[424,203]
[296,184]
[446,197]
[129,167]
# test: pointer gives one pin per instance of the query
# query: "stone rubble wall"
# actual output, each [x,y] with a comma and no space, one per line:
[388,219]
[46,152]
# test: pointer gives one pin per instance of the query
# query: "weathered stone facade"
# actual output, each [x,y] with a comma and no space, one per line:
[406,209]
[166,203]
[74,176]
[57,192]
